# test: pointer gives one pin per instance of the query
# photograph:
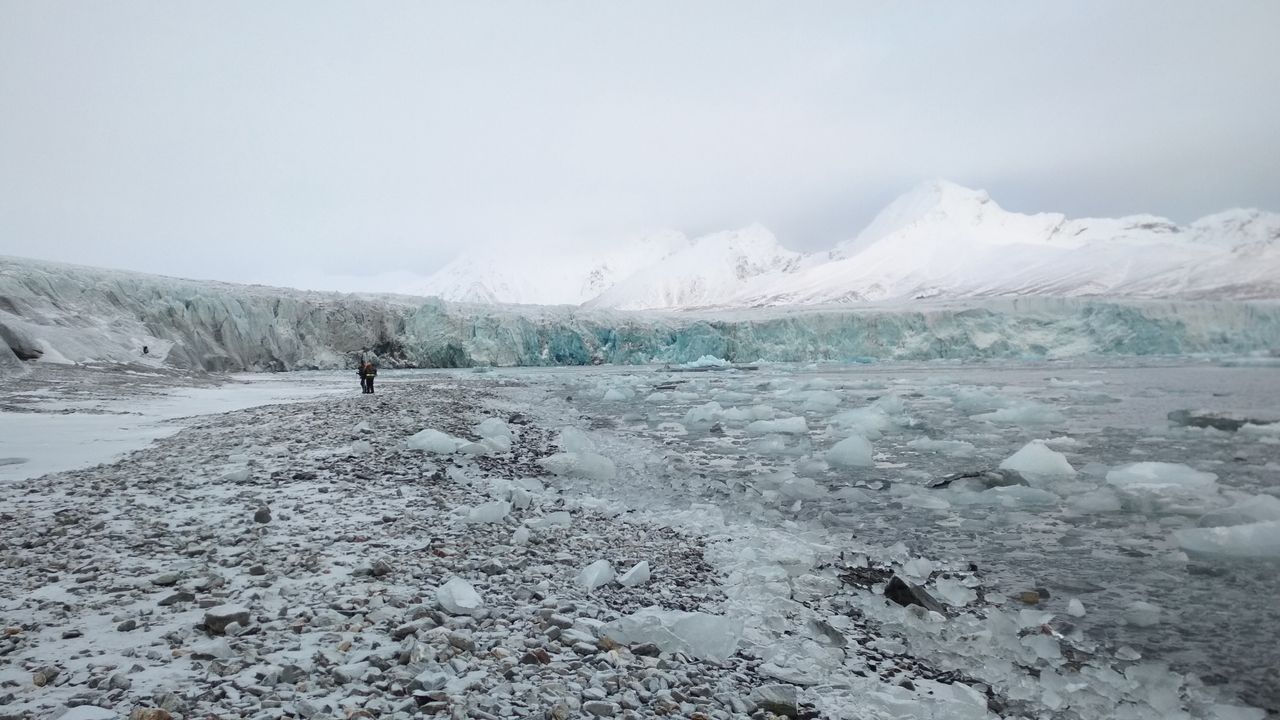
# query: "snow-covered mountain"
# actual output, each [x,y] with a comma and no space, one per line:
[531,276]
[938,240]
[702,273]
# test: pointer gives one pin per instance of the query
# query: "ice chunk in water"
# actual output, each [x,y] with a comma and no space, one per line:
[1154,487]
[615,395]
[1075,608]
[954,448]
[1142,614]
[584,465]
[1025,413]
[1255,540]
[706,361]
[785,426]
[434,441]
[853,451]
[596,574]
[1034,459]
[637,575]
[821,401]
[1160,475]
[869,422]
[699,635]
[490,512]
[1102,500]
[1247,510]
[457,597]
[703,416]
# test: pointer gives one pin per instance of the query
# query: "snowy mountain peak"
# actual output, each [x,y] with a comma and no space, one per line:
[939,239]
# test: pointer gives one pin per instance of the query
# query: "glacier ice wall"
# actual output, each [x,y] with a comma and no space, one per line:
[62,313]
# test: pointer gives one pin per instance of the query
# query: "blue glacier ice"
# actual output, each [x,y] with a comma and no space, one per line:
[63,313]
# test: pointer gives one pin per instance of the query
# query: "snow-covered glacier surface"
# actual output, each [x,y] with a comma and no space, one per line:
[61,313]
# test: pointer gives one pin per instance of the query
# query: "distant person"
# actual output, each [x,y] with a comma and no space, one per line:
[368,372]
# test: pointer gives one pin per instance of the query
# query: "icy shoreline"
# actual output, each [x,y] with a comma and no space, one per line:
[342,582]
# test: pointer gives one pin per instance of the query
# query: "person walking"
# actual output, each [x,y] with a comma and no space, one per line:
[370,371]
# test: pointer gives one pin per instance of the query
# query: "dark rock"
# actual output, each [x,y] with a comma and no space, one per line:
[263,515]
[646,650]
[904,593]
[127,625]
[181,596]
[778,699]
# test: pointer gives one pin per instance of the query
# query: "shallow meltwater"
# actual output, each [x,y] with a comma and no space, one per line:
[1066,484]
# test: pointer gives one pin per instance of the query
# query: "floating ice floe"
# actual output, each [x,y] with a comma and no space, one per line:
[954,448]
[702,417]
[706,361]
[785,426]
[699,635]
[1254,540]
[434,441]
[851,452]
[869,422]
[1247,510]
[1160,487]
[1025,413]
[1035,459]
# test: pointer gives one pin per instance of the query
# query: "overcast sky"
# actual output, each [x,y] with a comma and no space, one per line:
[325,144]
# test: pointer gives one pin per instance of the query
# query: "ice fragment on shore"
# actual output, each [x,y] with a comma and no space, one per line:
[573,440]
[457,597]
[1035,459]
[851,452]
[520,537]
[434,441]
[596,574]
[637,575]
[237,475]
[955,593]
[1254,540]
[584,465]
[496,433]
[699,635]
[785,426]
[490,512]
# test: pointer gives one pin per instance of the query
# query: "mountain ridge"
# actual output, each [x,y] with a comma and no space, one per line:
[938,240]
